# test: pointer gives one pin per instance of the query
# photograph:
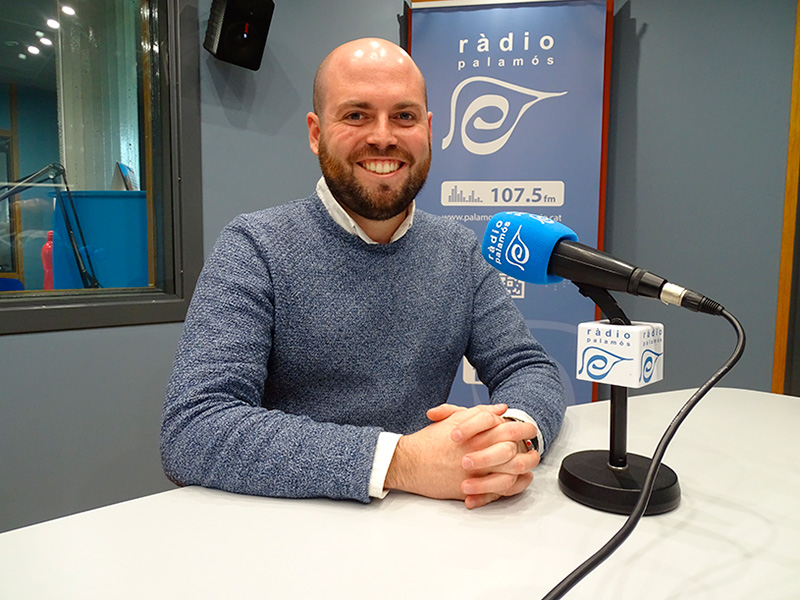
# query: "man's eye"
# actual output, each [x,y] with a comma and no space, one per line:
[406,116]
[354,117]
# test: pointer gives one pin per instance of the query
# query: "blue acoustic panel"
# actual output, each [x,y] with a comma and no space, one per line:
[114,226]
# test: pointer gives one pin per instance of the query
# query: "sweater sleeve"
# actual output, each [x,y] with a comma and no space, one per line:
[509,361]
[215,432]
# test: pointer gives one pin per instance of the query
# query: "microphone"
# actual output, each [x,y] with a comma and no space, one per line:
[536,249]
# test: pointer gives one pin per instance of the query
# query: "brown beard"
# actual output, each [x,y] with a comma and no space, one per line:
[376,205]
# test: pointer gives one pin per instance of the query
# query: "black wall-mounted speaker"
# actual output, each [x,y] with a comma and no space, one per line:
[237,31]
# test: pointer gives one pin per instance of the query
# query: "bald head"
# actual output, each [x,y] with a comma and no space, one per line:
[363,55]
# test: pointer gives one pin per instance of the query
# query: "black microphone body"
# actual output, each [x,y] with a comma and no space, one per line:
[583,264]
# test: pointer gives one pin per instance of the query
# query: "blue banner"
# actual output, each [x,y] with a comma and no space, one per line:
[517,93]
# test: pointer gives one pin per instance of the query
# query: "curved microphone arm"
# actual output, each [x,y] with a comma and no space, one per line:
[48,173]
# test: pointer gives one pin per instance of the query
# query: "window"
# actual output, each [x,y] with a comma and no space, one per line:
[100,194]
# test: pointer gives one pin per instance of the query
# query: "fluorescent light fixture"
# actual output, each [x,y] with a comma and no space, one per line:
[52,24]
[22,56]
[33,50]
[68,10]
[45,41]
[40,34]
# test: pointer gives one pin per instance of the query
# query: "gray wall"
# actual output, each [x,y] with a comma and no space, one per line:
[699,135]
[699,128]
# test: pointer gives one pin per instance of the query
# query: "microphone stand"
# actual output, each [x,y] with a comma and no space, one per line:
[50,173]
[612,481]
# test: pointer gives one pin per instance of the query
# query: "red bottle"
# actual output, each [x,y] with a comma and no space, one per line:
[47,261]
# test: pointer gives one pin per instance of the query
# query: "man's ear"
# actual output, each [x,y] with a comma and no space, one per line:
[313,131]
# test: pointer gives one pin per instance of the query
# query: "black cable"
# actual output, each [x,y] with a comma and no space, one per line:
[616,541]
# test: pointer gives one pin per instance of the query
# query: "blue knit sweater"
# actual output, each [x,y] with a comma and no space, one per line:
[303,342]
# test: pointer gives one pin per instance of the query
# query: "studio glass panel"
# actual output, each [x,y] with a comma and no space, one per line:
[93,131]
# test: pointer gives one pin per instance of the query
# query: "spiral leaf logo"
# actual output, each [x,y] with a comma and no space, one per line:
[649,359]
[517,252]
[489,101]
[599,362]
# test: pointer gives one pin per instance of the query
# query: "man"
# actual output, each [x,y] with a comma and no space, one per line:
[324,335]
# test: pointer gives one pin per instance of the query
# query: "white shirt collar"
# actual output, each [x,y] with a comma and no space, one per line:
[341,217]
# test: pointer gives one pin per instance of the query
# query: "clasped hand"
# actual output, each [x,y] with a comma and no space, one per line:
[471,454]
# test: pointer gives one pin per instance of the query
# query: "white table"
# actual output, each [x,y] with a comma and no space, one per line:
[736,533]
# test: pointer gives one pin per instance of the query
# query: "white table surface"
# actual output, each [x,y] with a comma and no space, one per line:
[736,533]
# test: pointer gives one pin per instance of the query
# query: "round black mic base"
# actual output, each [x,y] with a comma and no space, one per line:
[587,477]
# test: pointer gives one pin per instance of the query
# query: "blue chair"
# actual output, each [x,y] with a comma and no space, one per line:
[9,284]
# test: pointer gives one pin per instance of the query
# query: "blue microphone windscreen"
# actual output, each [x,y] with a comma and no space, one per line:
[520,245]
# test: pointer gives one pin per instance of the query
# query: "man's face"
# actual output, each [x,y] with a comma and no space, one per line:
[373,137]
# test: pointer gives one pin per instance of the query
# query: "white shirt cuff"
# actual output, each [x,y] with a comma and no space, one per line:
[521,415]
[384,452]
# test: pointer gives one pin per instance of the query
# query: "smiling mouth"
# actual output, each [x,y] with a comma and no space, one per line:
[381,167]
